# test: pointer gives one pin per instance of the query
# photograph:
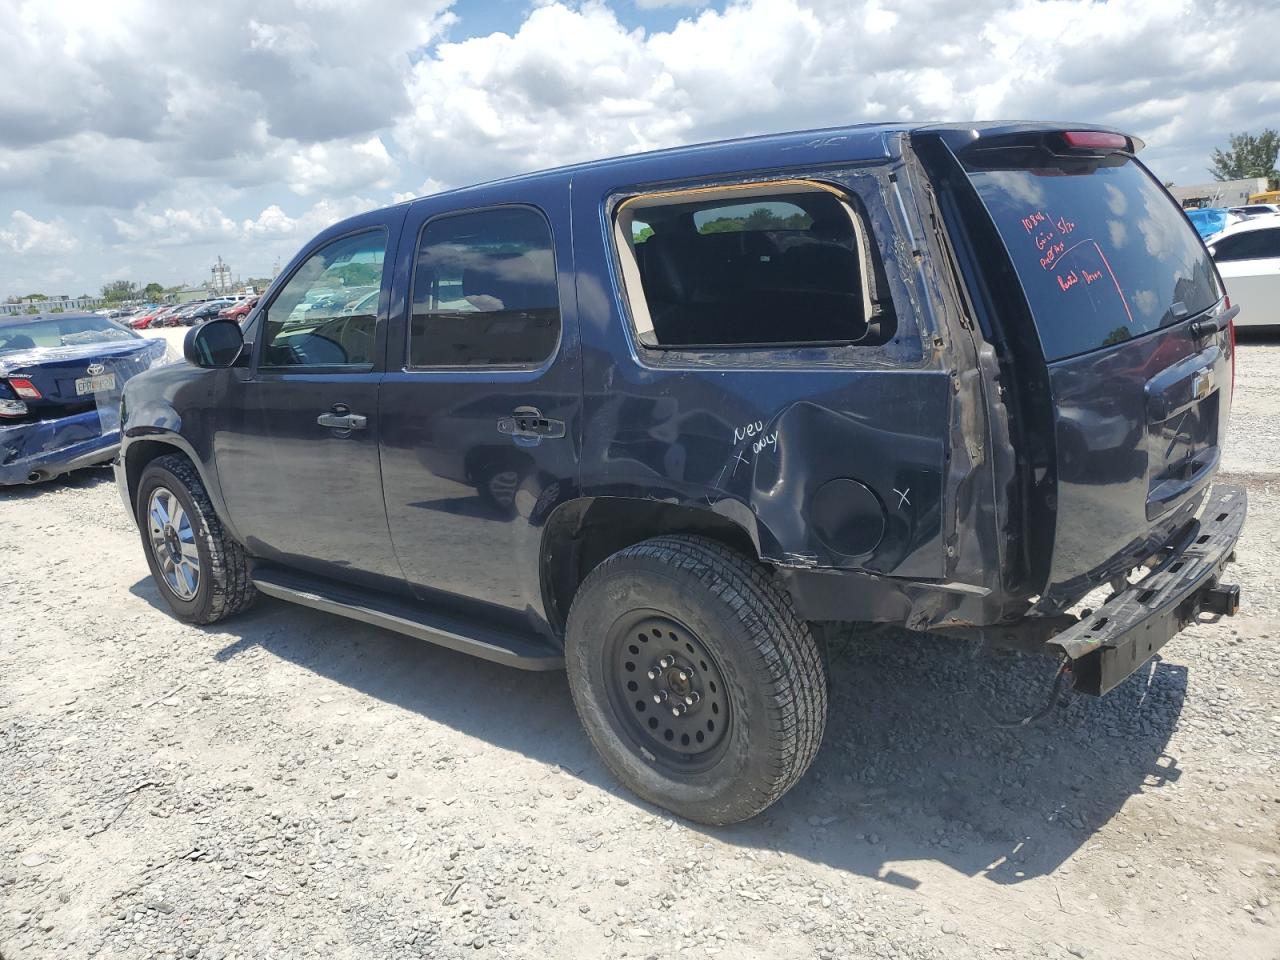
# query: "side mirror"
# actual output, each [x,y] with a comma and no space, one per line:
[217,343]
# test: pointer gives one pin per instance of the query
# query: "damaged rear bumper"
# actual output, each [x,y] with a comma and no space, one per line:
[30,452]
[1115,640]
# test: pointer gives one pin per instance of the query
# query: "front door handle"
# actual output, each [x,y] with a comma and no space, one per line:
[342,421]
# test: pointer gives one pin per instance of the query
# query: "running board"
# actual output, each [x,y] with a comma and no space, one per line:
[511,649]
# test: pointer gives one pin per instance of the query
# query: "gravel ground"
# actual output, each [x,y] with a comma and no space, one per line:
[290,784]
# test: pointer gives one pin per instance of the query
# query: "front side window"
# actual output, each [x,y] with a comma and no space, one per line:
[484,291]
[327,313]
[749,267]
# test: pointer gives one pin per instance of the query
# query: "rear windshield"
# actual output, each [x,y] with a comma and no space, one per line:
[1102,252]
[62,332]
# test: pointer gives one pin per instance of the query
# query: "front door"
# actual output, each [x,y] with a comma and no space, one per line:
[297,454]
[479,407]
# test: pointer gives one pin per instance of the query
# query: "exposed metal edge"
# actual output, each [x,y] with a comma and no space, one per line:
[1160,604]
[421,630]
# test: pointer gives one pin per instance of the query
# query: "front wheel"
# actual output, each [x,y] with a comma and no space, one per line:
[702,689]
[202,573]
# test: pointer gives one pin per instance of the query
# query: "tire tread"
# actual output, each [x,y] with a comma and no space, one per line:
[787,655]
[231,584]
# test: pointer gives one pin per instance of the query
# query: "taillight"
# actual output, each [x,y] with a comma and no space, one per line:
[1095,140]
[24,388]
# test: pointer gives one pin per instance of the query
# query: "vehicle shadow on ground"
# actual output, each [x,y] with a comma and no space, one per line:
[86,478]
[912,768]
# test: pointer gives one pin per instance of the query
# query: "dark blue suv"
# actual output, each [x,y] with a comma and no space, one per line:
[664,420]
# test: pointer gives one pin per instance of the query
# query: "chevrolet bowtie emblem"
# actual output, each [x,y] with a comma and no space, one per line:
[1202,384]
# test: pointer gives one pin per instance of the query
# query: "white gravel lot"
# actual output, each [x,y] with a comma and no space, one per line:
[290,784]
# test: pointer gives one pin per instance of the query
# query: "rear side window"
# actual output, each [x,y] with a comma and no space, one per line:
[747,267]
[1103,254]
[1252,245]
[484,291]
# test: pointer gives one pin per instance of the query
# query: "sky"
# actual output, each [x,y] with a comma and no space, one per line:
[141,139]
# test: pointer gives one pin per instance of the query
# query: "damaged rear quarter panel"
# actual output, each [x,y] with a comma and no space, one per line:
[753,434]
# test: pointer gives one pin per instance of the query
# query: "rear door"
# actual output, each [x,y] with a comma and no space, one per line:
[479,406]
[1123,295]
[1249,262]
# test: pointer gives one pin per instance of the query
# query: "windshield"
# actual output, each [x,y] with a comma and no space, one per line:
[60,332]
[1102,252]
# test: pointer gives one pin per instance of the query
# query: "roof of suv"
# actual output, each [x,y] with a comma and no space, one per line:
[858,141]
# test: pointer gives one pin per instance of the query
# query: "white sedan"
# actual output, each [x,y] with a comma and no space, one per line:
[1248,257]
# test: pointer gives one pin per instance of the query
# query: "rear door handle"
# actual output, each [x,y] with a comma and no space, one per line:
[341,421]
[528,423]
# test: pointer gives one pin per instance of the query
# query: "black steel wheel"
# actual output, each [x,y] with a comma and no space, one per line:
[695,679]
[670,688]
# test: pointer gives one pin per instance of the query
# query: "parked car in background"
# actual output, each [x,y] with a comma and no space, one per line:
[177,317]
[161,315]
[205,311]
[1255,209]
[60,382]
[145,318]
[875,374]
[1248,258]
[238,310]
[1211,220]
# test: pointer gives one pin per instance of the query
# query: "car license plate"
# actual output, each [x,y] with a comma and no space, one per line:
[106,381]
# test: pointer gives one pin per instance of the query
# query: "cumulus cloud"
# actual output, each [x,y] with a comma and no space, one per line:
[274,222]
[240,83]
[328,167]
[245,123]
[174,226]
[573,82]
[27,235]
[656,4]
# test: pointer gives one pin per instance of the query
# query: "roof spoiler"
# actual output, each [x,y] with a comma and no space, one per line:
[1061,139]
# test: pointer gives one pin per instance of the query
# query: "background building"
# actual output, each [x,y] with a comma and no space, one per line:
[1219,193]
[221,282]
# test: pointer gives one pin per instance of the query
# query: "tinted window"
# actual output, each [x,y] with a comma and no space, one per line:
[1102,252]
[765,269]
[484,291]
[63,332]
[324,316]
[1254,245]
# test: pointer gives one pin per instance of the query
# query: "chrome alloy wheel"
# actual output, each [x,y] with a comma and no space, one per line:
[174,543]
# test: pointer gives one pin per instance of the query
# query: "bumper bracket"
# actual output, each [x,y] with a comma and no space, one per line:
[1110,644]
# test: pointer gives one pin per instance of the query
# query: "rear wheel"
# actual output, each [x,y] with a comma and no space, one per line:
[695,679]
[202,573]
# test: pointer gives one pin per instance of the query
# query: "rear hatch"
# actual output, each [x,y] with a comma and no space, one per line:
[1126,306]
